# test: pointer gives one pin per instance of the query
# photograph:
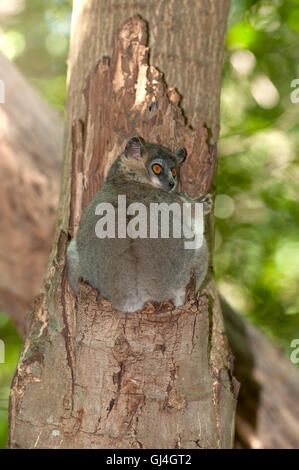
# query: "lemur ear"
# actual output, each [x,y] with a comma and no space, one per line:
[180,154]
[134,148]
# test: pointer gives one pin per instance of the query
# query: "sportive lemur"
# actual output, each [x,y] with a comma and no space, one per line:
[132,271]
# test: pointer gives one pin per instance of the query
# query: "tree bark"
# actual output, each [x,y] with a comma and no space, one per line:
[185,38]
[92,377]
[31,153]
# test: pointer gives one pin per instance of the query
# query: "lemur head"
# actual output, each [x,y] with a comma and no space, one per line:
[152,164]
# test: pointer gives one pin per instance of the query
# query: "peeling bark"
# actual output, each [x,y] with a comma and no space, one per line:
[90,376]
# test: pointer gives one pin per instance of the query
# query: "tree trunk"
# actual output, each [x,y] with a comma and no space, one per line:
[31,152]
[92,377]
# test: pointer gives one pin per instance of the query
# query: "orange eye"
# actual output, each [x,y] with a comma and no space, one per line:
[173,172]
[157,169]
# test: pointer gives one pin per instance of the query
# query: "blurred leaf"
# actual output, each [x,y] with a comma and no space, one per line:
[242,36]
[293,20]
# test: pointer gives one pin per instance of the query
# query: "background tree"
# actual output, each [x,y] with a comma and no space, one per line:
[29,188]
[261,42]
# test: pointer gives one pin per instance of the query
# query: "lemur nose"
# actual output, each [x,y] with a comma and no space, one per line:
[171,184]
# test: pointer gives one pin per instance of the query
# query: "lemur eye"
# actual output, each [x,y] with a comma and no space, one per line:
[173,172]
[157,169]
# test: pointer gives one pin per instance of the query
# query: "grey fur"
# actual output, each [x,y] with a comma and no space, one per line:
[129,272]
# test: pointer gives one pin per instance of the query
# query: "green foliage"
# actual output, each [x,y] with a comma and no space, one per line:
[257,245]
[37,40]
